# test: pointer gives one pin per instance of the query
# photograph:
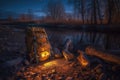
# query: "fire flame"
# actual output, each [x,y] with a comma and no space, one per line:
[84,62]
[44,55]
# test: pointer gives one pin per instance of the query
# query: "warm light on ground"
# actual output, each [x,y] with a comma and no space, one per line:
[51,63]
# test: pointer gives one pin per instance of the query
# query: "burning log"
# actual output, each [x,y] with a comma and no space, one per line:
[107,57]
[66,53]
[82,58]
[38,45]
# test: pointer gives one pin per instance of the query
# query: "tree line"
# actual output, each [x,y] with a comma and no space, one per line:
[87,11]
[84,11]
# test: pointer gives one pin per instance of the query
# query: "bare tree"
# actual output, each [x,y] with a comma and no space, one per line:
[109,4]
[55,9]
[30,14]
[112,11]
[116,11]
[79,9]
[99,11]
[94,10]
[82,10]
[94,5]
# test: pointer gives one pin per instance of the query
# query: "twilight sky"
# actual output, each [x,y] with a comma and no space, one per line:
[16,7]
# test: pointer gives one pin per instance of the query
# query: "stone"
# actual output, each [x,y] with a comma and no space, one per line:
[26,62]
[43,77]
[99,70]
[53,71]
[37,78]
[60,78]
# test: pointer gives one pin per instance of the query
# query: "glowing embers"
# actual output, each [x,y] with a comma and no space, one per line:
[44,55]
[84,62]
[56,63]
[83,59]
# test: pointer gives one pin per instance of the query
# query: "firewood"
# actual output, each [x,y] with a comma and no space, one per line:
[82,58]
[67,55]
[105,56]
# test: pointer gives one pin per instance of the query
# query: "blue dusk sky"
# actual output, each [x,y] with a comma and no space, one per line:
[16,7]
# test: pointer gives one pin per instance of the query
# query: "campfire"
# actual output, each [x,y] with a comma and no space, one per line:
[39,50]
[90,64]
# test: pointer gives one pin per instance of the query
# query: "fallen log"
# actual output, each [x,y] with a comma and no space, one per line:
[105,56]
[82,58]
[67,55]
